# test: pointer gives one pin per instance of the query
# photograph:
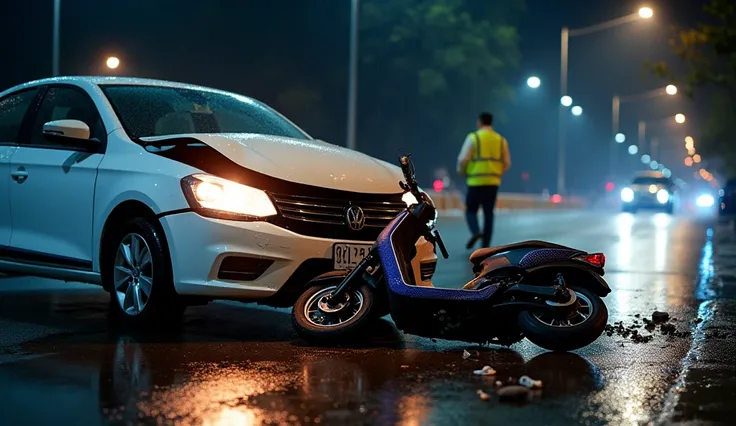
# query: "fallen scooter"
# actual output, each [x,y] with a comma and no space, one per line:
[548,293]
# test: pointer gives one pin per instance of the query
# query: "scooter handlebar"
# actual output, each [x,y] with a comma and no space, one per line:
[407,170]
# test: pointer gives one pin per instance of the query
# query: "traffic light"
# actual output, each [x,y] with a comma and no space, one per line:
[609,186]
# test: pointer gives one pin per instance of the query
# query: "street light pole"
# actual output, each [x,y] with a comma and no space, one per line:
[643,13]
[562,130]
[615,110]
[642,134]
[55,45]
[353,78]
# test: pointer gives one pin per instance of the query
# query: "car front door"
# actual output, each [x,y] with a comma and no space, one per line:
[52,192]
[13,109]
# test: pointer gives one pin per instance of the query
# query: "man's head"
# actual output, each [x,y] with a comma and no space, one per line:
[485,119]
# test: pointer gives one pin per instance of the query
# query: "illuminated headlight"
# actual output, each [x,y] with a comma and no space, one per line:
[663,196]
[409,199]
[705,200]
[214,196]
[627,195]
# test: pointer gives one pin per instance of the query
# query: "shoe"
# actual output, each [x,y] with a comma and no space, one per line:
[474,239]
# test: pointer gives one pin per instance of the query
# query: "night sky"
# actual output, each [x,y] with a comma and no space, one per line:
[258,48]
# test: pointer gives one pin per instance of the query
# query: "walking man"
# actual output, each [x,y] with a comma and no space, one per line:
[483,159]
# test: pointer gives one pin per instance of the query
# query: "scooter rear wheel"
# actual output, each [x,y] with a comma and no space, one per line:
[575,331]
[319,323]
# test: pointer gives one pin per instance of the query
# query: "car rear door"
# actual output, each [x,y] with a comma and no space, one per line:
[13,110]
[52,190]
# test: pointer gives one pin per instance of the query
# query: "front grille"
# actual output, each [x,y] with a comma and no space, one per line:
[327,217]
[426,270]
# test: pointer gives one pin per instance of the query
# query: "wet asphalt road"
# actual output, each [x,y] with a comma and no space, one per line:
[232,364]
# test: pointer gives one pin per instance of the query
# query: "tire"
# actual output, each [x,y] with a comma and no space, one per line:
[345,331]
[161,306]
[568,338]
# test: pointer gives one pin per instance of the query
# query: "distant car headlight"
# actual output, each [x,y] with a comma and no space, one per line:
[705,200]
[213,196]
[627,195]
[663,196]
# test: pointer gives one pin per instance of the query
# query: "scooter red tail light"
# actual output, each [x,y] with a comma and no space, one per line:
[595,259]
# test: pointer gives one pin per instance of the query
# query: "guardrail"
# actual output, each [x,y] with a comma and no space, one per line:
[454,200]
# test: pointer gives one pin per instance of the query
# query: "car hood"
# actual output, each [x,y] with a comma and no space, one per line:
[309,162]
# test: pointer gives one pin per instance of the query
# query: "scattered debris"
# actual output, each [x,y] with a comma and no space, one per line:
[698,320]
[530,383]
[637,316]
[468,355]
[513,393]
[499,383]
[483,396]
[404,366]
[659,317]
[485,371]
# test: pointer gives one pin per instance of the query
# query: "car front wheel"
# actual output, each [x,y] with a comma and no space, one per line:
[142,288]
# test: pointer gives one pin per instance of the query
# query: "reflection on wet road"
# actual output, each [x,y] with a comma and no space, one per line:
[233,364]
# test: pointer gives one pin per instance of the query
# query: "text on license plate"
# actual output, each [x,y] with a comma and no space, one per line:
[347,256]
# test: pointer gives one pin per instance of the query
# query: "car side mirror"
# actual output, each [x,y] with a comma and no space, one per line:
[69,132]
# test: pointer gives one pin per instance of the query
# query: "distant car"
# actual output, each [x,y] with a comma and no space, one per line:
[169,194]
[649,190]
[727,199]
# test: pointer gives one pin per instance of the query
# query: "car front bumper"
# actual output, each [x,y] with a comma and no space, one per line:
[198,246]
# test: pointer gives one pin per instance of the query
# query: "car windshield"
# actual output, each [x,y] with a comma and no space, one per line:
[647,180]
[159,111]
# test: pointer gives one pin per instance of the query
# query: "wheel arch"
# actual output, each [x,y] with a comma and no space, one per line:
[117,218]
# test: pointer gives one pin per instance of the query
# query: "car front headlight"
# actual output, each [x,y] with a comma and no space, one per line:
[627,195]
[218,197]
[705,200]
[663,196]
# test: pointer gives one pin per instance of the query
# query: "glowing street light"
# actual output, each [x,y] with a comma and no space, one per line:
[577,110]
[689,140]
[688,161]
[696,158]
[671,89]
[533,82]
[654,165]
[566,101]
[666,172]
[646,159]
[680,118]
[112,62]
[620,138]
[633,149]
[646,12]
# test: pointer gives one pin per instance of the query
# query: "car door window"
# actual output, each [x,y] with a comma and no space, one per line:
[12,110]
[66,103]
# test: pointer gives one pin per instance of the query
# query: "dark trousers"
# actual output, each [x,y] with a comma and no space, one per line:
[481,196]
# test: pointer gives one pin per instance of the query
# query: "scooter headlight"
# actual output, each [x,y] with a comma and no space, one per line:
[663,196]
[627,195]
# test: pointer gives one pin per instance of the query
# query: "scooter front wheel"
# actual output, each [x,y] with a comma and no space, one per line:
[320,322]
[578,329]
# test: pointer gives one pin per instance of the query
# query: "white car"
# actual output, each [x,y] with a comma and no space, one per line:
[169,195]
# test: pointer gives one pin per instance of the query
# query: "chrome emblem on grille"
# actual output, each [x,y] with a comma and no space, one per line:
[355,218]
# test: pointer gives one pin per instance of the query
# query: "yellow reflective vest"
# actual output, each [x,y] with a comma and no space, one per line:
[486,164]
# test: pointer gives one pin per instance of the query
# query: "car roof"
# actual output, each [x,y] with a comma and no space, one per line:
[108,80]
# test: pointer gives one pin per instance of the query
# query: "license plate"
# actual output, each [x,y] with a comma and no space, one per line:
[347,256]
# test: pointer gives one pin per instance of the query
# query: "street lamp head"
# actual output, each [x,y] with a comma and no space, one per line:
[112,62]
[620,138]
[566,101]
[680,118]
[633,149]
[671,89]
[577,110]
[689,140]
[646,12]
[533,82]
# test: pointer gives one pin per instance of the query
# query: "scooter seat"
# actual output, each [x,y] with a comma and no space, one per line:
[481,254]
